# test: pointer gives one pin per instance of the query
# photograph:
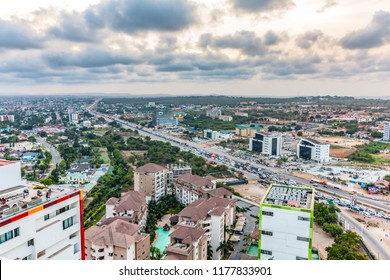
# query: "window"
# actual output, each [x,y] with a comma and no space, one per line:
[30,242]
[270,233]
[300,258]
[9,235]
[303,239]
[110,254]
[303,218]
[266,213]
[67,223]
[62,210]
[46,217]
[266,252]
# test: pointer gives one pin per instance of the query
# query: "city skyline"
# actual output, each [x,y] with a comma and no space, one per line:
[231,47]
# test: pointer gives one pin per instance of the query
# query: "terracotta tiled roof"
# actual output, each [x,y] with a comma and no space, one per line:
[150,168]
[219,192]
[118,233]
[187,234]
[132,200]
[195,180]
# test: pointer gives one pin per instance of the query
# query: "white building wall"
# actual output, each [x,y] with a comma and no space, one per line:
[10,176]
[48,235]
[386,132]
[285,227]
[217,233]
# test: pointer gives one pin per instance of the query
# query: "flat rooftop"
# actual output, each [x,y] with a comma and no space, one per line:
[291,196]
[19,199]
[6,162]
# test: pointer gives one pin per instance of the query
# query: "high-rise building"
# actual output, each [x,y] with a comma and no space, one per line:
[151,179]
[311,149]
[286,223]
[386,132]
[39,224]
[266,143]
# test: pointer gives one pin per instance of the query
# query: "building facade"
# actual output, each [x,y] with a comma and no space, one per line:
[386,132]
[116,239]
[247,130]
[189,188]
[311,149]
[213,113]
[40,224]
[165,118]
[225,118]
[286,223]
[151,179]
[212,216]
[131,205]
[266,143]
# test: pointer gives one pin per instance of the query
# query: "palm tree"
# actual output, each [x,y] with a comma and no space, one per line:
[155,253]
[172,211]
[224,248]
[210,252]
[248,239]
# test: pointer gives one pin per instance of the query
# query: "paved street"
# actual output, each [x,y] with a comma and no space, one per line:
[369,238]
[248,229]
[56,158]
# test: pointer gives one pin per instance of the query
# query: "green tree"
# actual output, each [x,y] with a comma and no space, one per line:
[210,252]
[155,253]
[47,182]
[332,228]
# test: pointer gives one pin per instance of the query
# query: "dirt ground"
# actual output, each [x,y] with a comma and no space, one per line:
[341,153]
[342,141]
[253,192]
[127,154]
[379,227]
[321,240]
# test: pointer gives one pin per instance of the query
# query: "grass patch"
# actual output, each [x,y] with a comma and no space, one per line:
[337,147]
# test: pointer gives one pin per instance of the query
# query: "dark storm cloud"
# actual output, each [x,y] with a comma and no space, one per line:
[87,59]
[254,6]
[375,34]
[132,16]
[306,40]
[73,27]
[245,41]
[14,35]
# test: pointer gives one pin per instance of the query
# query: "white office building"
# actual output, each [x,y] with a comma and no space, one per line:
[286,223]
[39,224]
[266,143]
[311,149]
[386,132]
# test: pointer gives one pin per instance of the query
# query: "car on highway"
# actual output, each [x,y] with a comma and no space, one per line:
[367,214]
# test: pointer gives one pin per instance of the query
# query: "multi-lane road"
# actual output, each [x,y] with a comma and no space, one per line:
[383,205]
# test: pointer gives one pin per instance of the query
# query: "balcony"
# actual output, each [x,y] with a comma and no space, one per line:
[180,248]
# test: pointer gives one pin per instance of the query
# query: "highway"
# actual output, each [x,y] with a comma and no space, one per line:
[186,145]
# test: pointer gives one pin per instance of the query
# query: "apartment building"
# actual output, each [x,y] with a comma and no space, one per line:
[187,243]
[386,132]
[39,224]
[225,118]
[152,180]
[189,188]
[211,134]
[247,130]
[266,143]
[116,239]
[311,149]
[176,170]
[286,223]
[131,205]
[211,215]
[213,113]
[7,118]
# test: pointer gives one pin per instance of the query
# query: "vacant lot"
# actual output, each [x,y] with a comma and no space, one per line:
[341,152]
[253,192]
[342,141]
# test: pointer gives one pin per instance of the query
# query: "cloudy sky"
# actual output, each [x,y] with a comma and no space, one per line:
[232,47]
